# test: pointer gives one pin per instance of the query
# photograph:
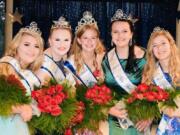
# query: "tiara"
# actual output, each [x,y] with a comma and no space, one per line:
[158,29]
[61,23]
[87,19]
[120,15]
[32,28]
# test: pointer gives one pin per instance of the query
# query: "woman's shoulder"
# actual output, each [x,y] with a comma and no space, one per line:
[139,51]
[6,69]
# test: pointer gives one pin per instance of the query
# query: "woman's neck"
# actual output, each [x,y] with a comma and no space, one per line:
[165,65]
[123,52]
[55,56]
[23,65]
[89,58]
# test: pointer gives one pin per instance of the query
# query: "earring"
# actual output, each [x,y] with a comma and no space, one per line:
[130,42]
[112,44]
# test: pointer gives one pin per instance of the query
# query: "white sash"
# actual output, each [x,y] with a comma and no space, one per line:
[85,76]
[118,72]
[28,79]
[52,68]
[160,79]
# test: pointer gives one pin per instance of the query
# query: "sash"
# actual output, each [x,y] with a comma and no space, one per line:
[85,76]
[28,79]
[160,79]
[118,72]
[50,66]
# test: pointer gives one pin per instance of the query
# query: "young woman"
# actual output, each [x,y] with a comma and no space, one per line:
[162,69]
[123,66]
[86,54]
[22,58]
[60,39]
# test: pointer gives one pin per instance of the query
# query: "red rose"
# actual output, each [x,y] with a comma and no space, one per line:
[62,95]
[150,96]
[41,108]
[36,94]
[130,100]
[59,88]
[142,87]
[162,95]
[80,106]
[80,117]
[51,90]
[139,96]
[68,132]
[99,101]
[47,108]
[97,73]
[58,99]
[53,101]
[47,99]
[56,110]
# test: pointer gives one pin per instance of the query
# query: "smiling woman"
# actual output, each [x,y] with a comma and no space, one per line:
[24,52]
[162,69]
[27,51]
[60,39]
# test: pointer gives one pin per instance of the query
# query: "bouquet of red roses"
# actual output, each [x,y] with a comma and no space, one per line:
[58,106]
[78,117]
[49,100]
[142,103]
[97,100]
[12,93]
[171,106]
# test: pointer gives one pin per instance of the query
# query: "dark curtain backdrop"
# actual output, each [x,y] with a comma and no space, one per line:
[150,13]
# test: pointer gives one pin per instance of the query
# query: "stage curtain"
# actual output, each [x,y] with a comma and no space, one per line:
[150,14]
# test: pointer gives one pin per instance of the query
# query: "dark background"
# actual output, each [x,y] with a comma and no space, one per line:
[150,13]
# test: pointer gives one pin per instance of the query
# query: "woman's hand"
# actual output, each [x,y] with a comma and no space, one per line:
[143,125]
[171,112]
[16,109]
[120,113]
[25,111]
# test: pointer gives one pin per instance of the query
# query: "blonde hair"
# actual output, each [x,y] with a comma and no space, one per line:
[76,47]
[12,48]
[150,66]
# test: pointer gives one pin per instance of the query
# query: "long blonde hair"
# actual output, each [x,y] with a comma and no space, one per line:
[76,47]
[12,48]
[174,61]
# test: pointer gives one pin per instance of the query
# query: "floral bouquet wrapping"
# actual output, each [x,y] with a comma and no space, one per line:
[97,100]
[12,93]
[171,106]
[142,103]
[58,106]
